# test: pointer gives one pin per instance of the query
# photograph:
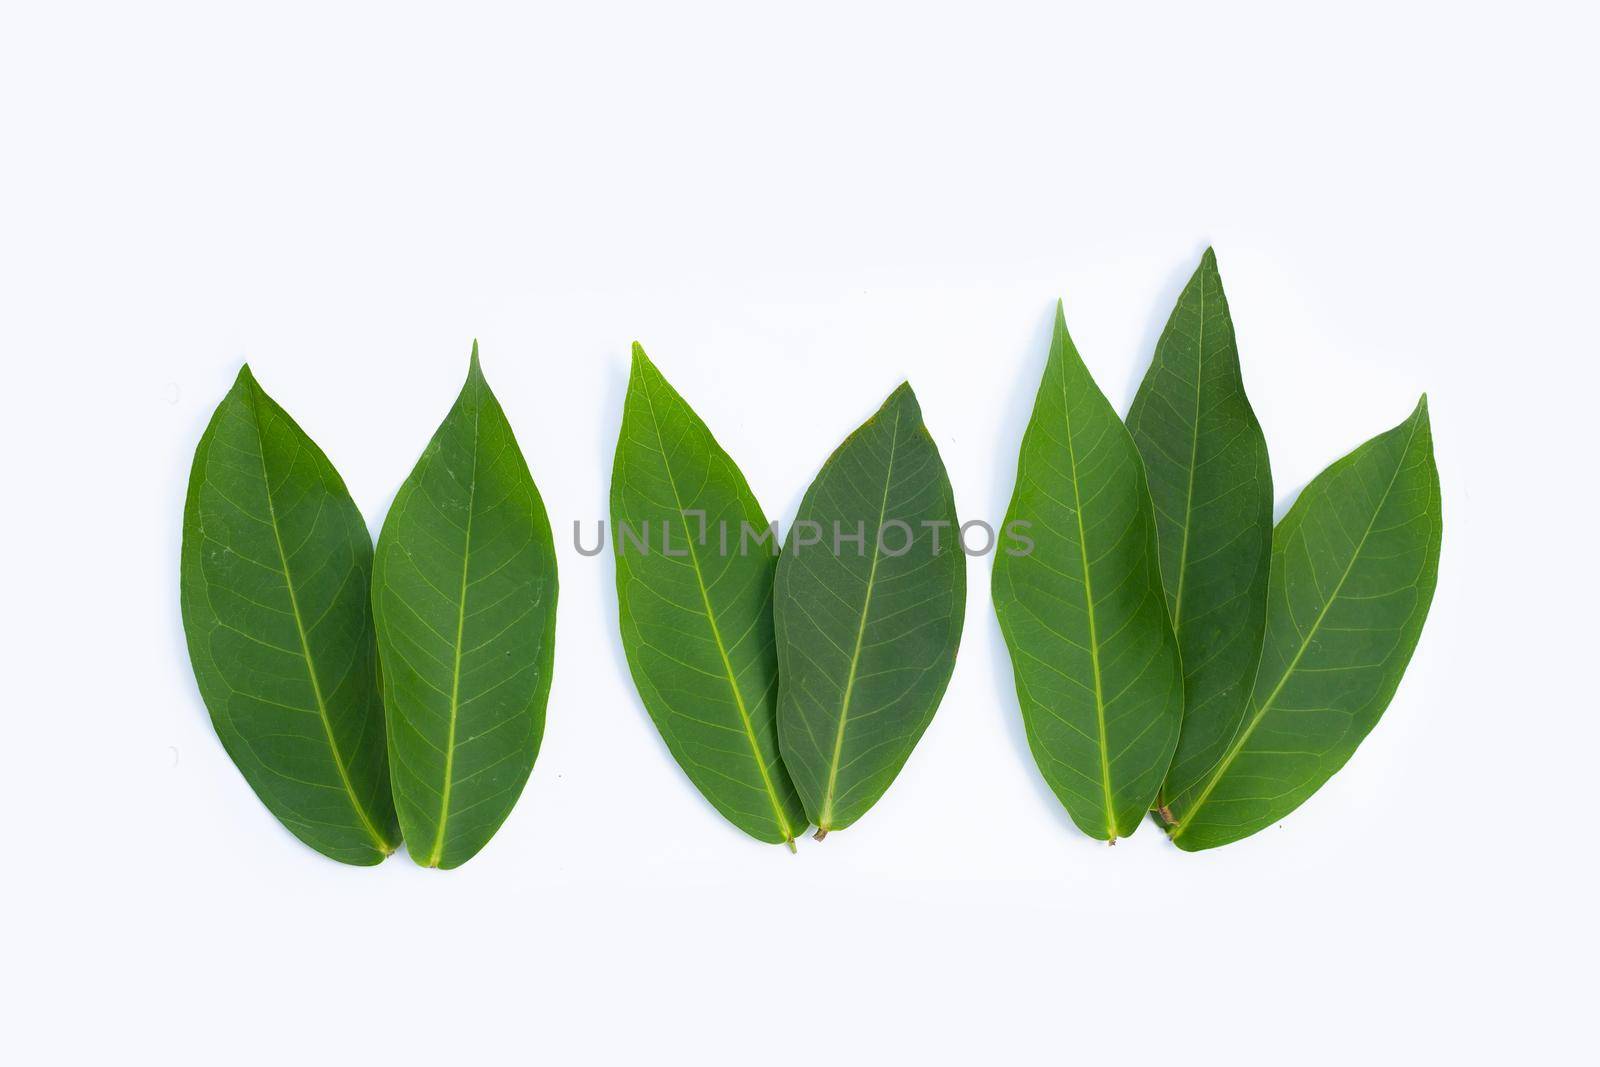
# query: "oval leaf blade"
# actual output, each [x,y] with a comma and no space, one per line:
[868,613]
[1206,459]
[1354,564]
[464,594]
[694,592]
[1083,614]
[275,571]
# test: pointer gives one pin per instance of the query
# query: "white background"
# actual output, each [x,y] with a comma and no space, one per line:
[793,207]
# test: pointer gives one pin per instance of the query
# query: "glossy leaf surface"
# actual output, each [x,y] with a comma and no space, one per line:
[276,566]
[694,591]
[869,599]
[1206,460]
[464,594]
[1084,615]
[1354,564]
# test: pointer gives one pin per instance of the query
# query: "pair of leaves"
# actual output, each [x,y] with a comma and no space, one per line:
[288,612]
[791,690]
[1170,646]
[1354,565]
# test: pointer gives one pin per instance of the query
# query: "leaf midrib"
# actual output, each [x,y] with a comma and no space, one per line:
[716,631]
[1305,643]
[1088,594]
[1194,456]
[305,644]
[461,626]
[826,816]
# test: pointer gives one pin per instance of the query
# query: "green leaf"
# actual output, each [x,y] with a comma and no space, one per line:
[1096,663]
[1206,459]
[464,592]
[275,570]
[694,589]
[868,604]
[1354,565]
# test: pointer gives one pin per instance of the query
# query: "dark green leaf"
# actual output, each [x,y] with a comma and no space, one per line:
[464,592]
[694,588]
[1209,477]
[869,599]
[276,567]
[1097,667]
[1354,564]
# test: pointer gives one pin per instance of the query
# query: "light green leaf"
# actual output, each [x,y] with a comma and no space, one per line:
[869,599]
[464,593]
[694,589]
[1354,565]
[1097,667]
[1206,459]
[275,571]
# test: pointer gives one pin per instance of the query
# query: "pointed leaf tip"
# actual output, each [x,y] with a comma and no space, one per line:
[640,362]
[1061,317]
[1419,414]
[246,385]
[1060,336]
